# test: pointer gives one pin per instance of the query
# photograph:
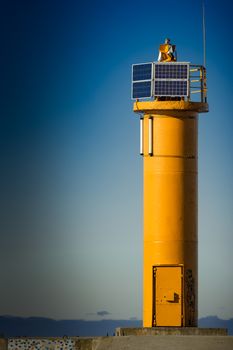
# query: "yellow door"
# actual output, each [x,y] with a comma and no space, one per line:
[167,295]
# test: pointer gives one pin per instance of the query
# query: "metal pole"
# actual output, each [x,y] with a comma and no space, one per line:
[150,138]
[204,34]
[141,136]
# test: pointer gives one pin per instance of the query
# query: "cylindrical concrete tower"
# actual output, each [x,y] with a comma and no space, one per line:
[169,131]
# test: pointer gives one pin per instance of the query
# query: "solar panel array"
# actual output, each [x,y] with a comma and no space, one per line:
[160,79]
[142,80]
[171,79]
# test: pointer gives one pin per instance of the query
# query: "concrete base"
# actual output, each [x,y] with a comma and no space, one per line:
[170,342]
[143,342]
[171,331]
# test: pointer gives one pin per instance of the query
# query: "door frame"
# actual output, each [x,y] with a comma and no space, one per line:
[154,268]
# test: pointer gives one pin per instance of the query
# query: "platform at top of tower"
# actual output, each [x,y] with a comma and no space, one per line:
[161,107]
[169,81]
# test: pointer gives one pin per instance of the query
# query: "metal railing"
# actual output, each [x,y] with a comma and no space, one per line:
[197,82]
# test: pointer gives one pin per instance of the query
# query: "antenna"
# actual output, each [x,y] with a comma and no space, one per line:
[204,34]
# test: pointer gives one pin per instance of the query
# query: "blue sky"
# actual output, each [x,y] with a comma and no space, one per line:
[71,174]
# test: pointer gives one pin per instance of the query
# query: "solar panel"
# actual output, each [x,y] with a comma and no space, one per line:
[142,89]
[142,75]
[171,88]
[171,79]
[160,79]
[171,71]
[142,71]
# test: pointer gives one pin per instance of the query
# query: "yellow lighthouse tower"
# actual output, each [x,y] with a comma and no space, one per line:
[169,96]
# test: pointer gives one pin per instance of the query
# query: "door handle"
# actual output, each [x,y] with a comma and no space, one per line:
[173,298]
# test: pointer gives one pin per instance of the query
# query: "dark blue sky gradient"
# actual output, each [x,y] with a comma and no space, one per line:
[71,175]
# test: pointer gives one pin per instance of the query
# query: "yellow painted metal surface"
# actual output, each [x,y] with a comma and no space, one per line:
[170,208]
[161,107]
[168,296]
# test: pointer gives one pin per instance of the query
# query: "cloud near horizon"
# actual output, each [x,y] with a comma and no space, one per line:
[103,313]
